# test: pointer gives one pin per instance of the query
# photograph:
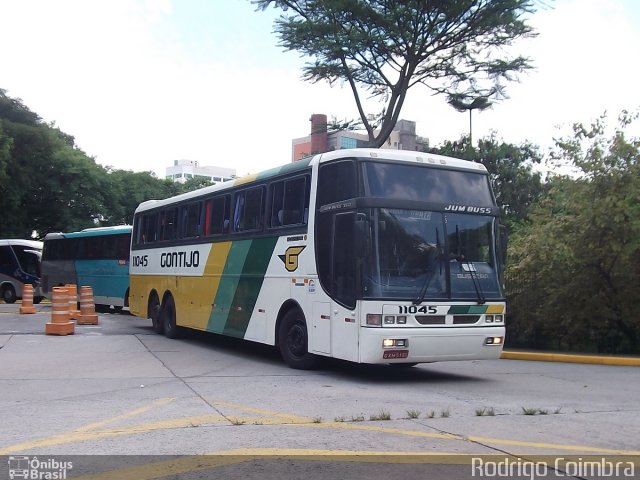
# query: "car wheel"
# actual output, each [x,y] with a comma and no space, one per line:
[9,294]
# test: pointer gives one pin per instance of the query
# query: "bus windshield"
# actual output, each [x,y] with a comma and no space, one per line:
[29,259]
[424,255]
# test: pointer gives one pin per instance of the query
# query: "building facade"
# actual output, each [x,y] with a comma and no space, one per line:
[320,140]
[183,170]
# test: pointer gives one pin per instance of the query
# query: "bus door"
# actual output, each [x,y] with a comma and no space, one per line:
[344,285]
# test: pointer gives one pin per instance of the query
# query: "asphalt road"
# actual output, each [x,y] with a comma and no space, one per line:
[119,389]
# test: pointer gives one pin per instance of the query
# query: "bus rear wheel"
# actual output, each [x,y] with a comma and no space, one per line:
[171,329]
[153,311]
[9,294]
[293,341]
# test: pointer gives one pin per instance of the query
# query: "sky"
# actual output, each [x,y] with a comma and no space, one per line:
[141,83]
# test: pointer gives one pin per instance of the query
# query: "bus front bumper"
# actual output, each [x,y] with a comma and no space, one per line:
[420,345]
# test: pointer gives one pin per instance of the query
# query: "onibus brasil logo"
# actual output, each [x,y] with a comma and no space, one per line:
[38,469]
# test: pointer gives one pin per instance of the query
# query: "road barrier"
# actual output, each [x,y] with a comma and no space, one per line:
[60,323]
[87,307]
[72,295]
[27,300]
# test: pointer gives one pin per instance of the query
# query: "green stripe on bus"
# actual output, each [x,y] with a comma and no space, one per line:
[228,285]
[248,288]
[288,168]
[462,309]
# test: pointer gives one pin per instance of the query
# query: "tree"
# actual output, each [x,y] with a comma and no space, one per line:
[382,48]
[50,185]
[582,249]
[515,183]
[460,104]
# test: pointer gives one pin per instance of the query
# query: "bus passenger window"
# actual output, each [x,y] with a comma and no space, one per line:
[290,202]
[218,215]
[149,229]
[248,210]
[168,220]
[191,220]
[337,181]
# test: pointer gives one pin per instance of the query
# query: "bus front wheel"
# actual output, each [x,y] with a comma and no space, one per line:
[293,341]
[171,329]
[9,294]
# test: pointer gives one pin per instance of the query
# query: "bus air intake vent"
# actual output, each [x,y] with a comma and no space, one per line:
[465,319]
[430,319]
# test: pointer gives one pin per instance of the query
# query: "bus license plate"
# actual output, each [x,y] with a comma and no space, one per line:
[395,354]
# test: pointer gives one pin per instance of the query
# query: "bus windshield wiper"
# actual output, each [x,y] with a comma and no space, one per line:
[425,287]
[430,273]
[470,268]
[476,282]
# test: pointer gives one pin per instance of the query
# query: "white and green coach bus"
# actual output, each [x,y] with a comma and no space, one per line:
[371,256]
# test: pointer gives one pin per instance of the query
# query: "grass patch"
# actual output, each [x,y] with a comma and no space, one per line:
[382,415]
[413,413]
[536,411]
[445,413]
[485,412]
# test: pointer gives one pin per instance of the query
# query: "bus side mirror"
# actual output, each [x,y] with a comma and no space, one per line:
[362,230]
[503,239]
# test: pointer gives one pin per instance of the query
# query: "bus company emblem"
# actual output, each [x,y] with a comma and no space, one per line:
[467,209]
[290,257]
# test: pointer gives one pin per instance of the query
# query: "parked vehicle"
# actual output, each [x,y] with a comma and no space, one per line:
[19,265]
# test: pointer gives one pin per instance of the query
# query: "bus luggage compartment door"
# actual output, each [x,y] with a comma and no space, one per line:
[321,328]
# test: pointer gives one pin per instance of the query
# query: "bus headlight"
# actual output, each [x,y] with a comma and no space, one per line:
[374,319]
[394,342]
[493,341]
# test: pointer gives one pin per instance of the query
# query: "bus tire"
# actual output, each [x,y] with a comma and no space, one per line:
[9,294]
[293,341]
[171,329]
[153,312]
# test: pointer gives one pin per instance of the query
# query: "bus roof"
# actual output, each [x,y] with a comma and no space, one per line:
[90,232]
[35,244]
[439,161]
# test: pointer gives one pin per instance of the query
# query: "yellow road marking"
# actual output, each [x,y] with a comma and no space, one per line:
[90,432]
[132,413]
[572,358]
[288,418]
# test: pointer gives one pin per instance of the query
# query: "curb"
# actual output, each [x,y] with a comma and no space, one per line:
[569,358]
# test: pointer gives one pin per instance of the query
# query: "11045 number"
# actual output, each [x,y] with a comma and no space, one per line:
[413,309]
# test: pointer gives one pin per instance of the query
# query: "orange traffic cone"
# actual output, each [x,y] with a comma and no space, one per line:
[27,299]
[60,324]
[87,307]
[72,293]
